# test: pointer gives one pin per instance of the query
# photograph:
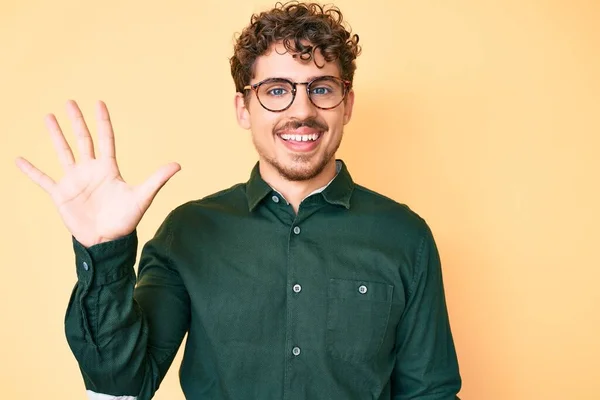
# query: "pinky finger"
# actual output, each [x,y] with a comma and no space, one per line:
[43,180]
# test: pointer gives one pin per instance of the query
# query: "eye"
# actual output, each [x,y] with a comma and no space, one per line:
[275,88]
[277,91]
[320,90]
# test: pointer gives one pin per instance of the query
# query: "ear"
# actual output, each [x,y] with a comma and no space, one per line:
[348,105]
[241,111]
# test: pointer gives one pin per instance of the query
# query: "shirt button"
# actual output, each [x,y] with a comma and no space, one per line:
[86,266]
[297,230]
[275,199]
[296,351]
[297,288]
[362,289]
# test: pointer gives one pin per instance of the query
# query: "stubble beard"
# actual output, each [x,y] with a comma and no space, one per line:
[302,166]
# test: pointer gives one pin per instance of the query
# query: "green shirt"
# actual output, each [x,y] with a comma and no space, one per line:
[343,300]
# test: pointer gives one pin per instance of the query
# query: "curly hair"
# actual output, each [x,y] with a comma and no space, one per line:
[303,28]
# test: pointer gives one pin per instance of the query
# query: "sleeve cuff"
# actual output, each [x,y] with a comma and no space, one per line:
[107,262]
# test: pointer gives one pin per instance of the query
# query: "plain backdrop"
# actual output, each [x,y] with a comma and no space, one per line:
[482,116]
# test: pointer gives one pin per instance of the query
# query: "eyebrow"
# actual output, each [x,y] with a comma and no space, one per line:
[310,78]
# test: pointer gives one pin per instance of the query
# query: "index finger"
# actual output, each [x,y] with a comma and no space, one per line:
[65,154]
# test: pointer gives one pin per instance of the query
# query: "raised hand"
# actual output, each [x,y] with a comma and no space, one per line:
[93,200]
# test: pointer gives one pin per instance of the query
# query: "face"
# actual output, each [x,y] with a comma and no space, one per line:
[300,142]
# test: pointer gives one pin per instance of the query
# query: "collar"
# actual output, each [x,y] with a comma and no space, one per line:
[337,192]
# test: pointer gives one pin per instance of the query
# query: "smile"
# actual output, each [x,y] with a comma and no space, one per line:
[300,138]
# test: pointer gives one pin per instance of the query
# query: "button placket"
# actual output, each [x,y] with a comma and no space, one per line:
[296,300]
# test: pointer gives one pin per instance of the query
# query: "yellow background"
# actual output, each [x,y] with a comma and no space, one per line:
[483,116]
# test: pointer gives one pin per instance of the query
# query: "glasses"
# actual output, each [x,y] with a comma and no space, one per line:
[278,94]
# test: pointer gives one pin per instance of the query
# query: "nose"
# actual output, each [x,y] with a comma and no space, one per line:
[302,107]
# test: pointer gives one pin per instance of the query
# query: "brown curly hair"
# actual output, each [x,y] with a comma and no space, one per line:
[303,28]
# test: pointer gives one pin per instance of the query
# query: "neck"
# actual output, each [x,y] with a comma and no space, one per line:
[295,191]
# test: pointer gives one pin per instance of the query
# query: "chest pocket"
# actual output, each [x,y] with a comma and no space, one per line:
[358,313]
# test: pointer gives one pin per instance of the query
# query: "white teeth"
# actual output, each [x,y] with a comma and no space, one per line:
[300,138]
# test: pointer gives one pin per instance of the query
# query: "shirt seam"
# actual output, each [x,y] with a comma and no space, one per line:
[416,273]
[288,319]
[378,195]
[220,193]
[170,265]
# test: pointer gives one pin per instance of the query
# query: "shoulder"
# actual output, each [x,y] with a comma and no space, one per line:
[232,199]
[387,211]
[390,222]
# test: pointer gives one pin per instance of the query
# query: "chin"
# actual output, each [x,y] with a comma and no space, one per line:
[301,170]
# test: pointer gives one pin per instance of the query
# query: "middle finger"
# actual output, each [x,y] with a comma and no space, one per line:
[84,139]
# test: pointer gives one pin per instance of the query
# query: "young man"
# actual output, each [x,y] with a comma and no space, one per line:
[298,284]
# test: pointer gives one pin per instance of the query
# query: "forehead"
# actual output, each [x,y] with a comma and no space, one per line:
[278,63]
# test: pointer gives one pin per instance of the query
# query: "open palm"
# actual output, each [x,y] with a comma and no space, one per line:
[93,200]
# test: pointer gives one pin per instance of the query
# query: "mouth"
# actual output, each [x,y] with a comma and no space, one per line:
[301,140]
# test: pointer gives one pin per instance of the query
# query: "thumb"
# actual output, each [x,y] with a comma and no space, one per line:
[148,190]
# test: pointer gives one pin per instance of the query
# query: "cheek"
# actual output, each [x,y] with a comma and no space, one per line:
[334,120]
[263,124]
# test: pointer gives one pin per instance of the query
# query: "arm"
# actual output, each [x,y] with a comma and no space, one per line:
[426,364]
[115,330]
[125,337]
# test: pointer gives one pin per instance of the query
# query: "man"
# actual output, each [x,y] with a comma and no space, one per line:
[298,284]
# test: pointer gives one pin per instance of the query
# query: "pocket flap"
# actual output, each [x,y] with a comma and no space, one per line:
[360,290]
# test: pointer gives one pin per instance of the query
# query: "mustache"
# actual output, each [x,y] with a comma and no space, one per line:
[297,124]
